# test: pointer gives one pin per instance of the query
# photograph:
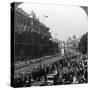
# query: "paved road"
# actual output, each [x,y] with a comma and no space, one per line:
[32,66]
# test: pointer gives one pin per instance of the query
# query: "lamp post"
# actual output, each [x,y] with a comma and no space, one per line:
[39,55]
[39,46]
[32,36]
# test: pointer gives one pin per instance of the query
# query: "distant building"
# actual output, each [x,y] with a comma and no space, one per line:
[69,46]
[72,44]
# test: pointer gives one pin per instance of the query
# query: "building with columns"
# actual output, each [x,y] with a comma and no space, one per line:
[31,37]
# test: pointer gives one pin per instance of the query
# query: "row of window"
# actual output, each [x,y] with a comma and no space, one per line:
[25,24]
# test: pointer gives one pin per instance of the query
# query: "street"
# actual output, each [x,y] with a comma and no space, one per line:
[32,66]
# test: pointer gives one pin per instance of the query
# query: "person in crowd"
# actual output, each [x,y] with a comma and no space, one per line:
[70,69]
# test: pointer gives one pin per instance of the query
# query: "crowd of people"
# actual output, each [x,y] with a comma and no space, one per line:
[71,69]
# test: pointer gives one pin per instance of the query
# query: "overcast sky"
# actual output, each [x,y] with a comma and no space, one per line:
[63,20]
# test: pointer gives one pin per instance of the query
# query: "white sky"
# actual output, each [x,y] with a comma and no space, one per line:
[63,20]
